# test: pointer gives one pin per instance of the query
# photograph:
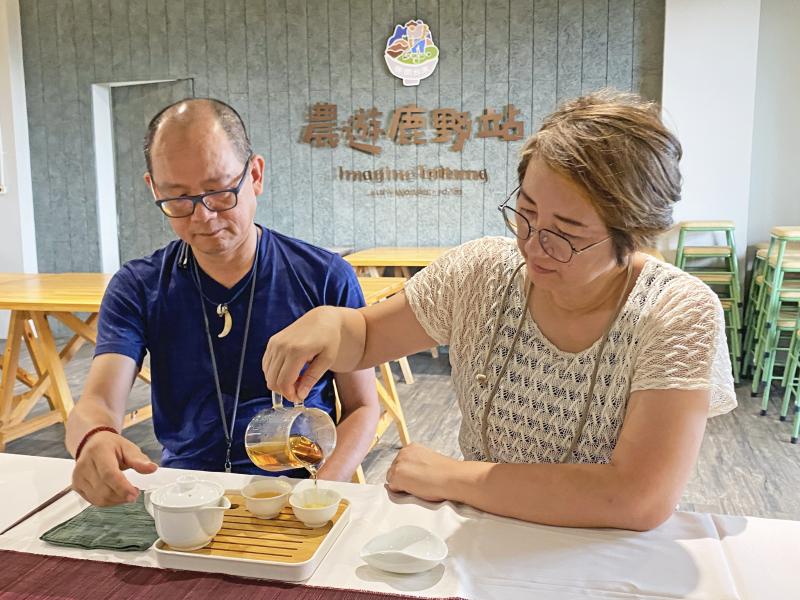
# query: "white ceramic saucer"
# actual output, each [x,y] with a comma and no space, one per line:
[407,549]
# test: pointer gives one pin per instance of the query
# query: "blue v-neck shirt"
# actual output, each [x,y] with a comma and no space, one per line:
[152,304]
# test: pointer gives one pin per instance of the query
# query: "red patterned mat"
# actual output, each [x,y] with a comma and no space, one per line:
[35,576]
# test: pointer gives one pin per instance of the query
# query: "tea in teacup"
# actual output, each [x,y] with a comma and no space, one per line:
[265,498]
[262,495]
[315,506]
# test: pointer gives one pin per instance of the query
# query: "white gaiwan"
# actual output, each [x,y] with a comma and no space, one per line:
[407,549]
[188,513]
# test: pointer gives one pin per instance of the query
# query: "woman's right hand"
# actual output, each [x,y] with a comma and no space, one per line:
[312,342]
[98,473]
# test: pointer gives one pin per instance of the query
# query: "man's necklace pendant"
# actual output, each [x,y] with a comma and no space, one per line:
[222,311]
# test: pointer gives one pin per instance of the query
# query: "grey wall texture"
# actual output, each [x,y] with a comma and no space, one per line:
[272,59]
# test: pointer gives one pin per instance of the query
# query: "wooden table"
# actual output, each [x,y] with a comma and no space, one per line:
[376,289]
[32,298]
[373,261]
[4,277]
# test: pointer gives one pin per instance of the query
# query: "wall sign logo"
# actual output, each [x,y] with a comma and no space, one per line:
[410,52]
[408,126]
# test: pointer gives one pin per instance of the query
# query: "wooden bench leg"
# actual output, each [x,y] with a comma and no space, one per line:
[408,376]
[391,402]
[358,476]
[10,363]
[62,396]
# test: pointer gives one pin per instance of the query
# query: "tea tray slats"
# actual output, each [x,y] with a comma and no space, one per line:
[277,548]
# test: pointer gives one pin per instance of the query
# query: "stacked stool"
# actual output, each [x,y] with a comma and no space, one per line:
[774,322]
[750,310]
[791,382]
[717,267]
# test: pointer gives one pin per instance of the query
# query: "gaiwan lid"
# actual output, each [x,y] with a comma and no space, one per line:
[187,492]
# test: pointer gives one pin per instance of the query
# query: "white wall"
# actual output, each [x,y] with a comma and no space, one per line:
[17,235]
[775,179]
[709,90]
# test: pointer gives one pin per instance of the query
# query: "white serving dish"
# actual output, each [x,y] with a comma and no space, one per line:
[243,567]
[407,549]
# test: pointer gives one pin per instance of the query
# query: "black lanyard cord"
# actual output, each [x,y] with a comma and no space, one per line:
[226,430]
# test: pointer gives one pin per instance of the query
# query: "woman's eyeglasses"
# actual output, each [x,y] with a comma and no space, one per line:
[555,245]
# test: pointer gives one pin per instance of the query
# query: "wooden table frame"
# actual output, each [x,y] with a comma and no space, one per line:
[377,289]
[373,261]
[32,299]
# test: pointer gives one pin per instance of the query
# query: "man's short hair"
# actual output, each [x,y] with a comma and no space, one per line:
[230,121]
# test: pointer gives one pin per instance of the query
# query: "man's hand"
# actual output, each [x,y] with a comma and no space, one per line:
[420,471]
[98,472]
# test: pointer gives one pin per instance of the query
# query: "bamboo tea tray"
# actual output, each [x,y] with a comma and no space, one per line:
[281,548]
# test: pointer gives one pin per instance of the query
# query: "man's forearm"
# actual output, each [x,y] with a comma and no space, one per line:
[354,437]
[88,414]
[104,396]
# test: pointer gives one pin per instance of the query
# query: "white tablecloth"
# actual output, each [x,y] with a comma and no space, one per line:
[27,481]
[693,555]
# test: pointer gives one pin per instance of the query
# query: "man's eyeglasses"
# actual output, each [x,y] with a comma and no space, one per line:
[217,201]
[555,245]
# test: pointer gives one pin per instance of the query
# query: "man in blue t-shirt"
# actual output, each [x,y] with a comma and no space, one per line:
[204,307]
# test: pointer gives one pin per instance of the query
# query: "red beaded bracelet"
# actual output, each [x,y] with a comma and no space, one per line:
[89,434]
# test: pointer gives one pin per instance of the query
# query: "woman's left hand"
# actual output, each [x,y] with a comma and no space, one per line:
[420,471]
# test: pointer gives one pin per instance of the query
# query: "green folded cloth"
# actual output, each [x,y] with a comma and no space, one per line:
[125,527]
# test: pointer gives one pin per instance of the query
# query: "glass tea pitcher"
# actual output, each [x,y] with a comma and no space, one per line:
[283,438]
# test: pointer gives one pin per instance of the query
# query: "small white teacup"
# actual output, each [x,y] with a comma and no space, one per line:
[266,498]
[315,506]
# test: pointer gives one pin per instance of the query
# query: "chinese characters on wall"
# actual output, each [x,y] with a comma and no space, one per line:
[408,125]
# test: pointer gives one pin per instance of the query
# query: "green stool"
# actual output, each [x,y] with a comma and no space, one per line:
[731,329]
[791,380]
[727,252]
[751,303]
[722,279]
[756,302]
[755,283]
[778,310]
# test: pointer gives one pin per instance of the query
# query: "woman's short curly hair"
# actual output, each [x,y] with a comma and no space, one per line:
[617,148]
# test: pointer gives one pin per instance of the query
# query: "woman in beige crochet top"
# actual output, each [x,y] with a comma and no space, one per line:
[584,370]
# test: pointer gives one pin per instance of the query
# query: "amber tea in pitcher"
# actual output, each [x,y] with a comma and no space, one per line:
[281,438]
[276,455]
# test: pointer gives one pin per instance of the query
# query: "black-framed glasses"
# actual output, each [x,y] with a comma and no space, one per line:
[555,245]
[216,201]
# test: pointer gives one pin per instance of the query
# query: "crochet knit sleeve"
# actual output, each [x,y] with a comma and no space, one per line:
[683,345]
[438,291]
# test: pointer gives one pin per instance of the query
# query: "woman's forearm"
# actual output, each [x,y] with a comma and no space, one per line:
[350,331]
[571,495]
